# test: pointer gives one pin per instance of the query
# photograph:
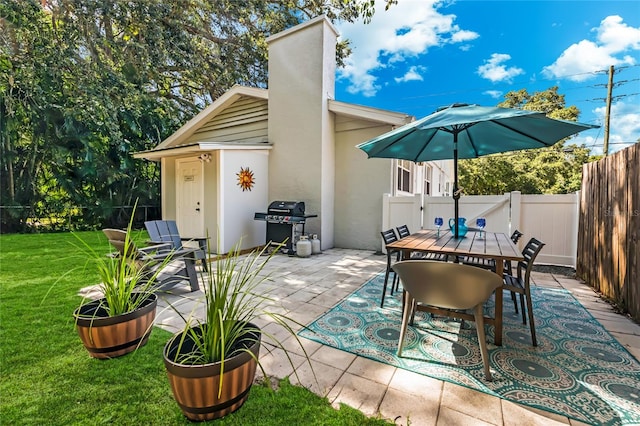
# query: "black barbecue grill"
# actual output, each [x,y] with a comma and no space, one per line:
[285,221]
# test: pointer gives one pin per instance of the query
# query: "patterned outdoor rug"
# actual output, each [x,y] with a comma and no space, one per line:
[577,370]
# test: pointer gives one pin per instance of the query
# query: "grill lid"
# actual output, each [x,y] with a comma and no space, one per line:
[289,208]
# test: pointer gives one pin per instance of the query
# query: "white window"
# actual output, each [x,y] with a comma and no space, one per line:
[428,176]
[404,181]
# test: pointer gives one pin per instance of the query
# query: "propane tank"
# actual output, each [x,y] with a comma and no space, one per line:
[315,244]
[303,246]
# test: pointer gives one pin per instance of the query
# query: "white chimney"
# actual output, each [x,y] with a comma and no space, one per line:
[302,69]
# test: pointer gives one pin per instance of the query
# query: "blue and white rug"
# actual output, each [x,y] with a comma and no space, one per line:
[577,370]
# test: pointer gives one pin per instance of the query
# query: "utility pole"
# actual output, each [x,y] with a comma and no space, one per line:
[607,116]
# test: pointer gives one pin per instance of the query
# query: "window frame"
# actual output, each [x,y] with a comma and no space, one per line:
[405,172]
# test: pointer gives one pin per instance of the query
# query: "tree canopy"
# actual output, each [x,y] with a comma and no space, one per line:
[553,170]
[85,83]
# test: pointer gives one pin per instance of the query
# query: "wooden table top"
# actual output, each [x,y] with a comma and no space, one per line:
[495,245]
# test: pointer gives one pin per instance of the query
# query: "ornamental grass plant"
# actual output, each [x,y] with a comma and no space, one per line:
[232,306]
[126,280]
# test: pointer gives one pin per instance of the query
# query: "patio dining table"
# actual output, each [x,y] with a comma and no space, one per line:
[491,245]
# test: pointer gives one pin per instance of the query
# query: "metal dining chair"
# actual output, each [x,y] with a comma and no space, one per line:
[521,283]
[490,264]
[389,236]
[403,231]
[515,237]
[449,286]
[486,263]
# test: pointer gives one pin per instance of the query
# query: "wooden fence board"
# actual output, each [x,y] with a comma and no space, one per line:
[609,228]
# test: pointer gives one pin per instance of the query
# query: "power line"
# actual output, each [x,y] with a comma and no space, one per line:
[613,98]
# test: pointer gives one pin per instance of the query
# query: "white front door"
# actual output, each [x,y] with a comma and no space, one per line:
[189,198]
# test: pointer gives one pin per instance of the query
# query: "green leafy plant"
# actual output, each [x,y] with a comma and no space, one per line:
[126,281]
[231,304]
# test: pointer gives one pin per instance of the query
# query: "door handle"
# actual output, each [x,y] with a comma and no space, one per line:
[198,209]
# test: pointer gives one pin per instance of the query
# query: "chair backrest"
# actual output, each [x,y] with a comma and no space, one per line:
[403,231]
[164,231]
[173,234]
[389,236]
[515,237]
[530,252]
[152,230]
[118,239]
[446,285]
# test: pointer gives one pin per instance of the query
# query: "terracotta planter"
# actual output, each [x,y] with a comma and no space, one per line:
[195,387]
[110,337]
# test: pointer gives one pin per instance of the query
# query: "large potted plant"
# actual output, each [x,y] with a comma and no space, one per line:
[212,362]
[121,319]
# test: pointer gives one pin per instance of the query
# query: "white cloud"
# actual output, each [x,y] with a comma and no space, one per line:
[412,75]
[494,69]
[614,41]
[495,94]
[463,35]
[406,30]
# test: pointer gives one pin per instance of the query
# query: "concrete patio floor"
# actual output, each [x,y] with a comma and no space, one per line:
[304,288]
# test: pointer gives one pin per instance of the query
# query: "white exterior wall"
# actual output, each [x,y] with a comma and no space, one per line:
[302,162]
[228,211]
[235,207]
[312,156]
[168,188]
[211,200]
[359,183]
[442,174]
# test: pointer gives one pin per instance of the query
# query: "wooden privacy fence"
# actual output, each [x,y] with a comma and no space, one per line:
[608,257]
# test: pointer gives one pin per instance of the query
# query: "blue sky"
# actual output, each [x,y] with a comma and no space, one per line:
[423,54]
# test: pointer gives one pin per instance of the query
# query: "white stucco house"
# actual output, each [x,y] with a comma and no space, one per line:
[297,142]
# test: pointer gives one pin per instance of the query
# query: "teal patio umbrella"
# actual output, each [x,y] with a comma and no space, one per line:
[469,131]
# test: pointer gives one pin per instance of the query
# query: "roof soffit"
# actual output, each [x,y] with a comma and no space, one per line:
[370,114]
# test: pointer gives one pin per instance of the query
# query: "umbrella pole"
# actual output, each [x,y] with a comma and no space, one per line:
[456,194]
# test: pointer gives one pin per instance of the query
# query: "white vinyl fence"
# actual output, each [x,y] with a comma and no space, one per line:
[553,219]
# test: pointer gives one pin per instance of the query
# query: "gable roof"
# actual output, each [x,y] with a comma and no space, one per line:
[216,107]
[183,140]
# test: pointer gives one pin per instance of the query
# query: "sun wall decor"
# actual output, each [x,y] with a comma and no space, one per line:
[245,179]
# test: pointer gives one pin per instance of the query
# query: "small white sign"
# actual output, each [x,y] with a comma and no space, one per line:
[189,178]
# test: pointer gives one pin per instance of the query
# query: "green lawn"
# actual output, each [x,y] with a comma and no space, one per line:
[47,377]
